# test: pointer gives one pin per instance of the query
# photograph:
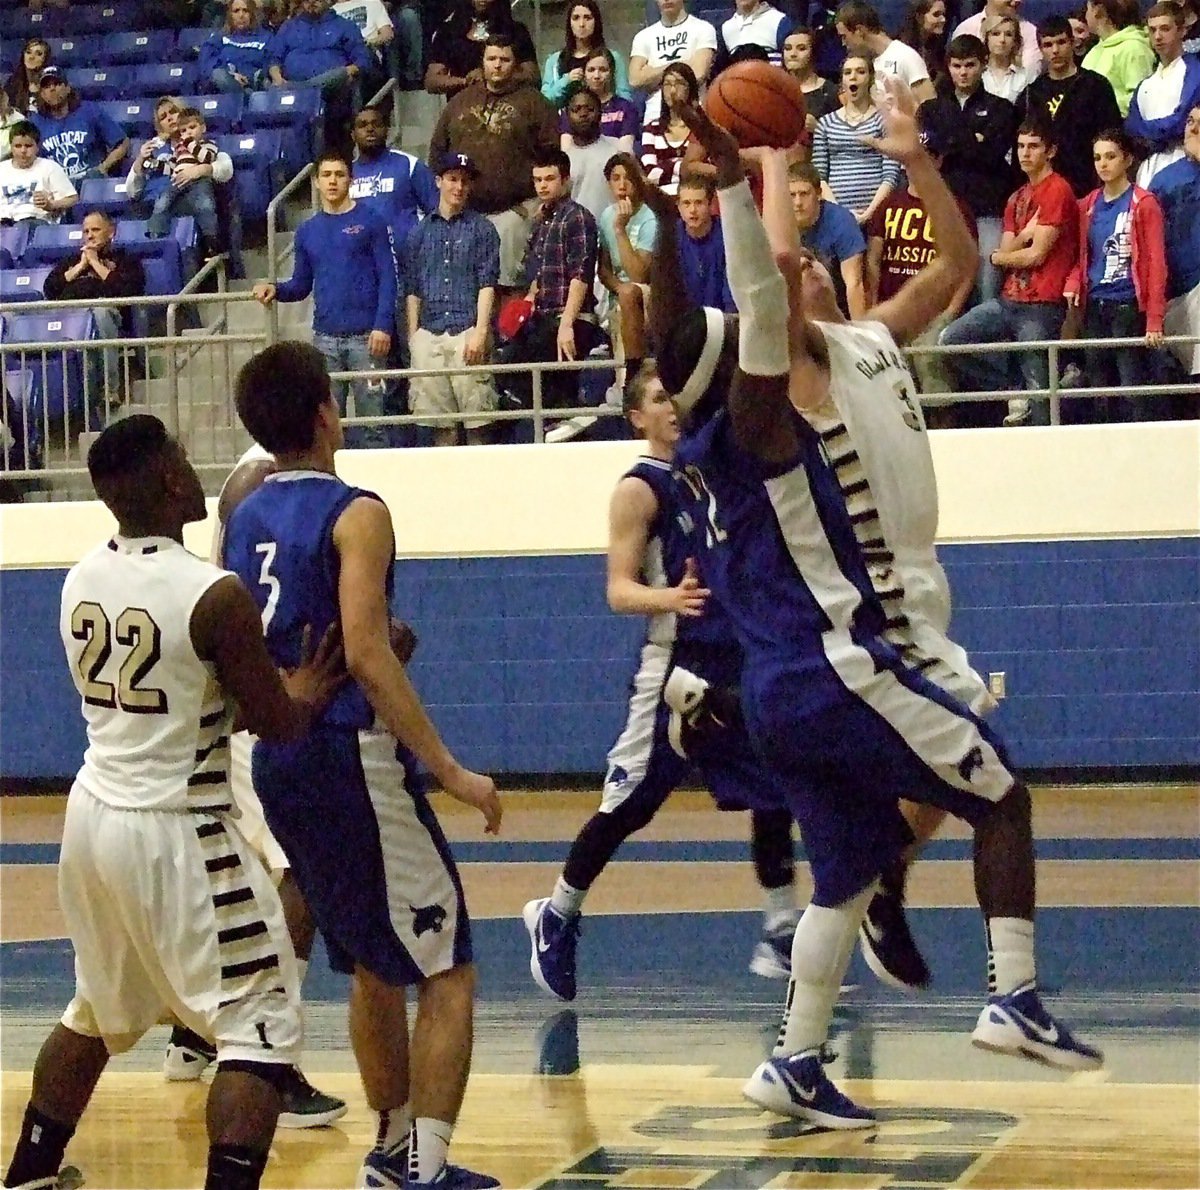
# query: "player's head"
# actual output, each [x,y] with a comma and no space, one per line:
[649,408]
[696,362]
[143,476]
[284,399]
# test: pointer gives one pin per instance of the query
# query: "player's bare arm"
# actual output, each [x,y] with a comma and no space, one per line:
[630,514]
[226,630]
[930,293]
[245,479]
[365,545]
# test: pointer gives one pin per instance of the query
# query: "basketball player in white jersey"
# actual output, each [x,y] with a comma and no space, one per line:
[188,1055]
[168,909]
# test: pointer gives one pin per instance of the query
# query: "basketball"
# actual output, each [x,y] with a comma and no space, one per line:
[758,103]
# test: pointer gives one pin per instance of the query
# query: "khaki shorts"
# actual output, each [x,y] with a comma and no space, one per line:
[467,394]
[1183,318]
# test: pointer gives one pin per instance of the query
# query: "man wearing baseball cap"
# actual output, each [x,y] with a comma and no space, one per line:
[85,141]
[451,266]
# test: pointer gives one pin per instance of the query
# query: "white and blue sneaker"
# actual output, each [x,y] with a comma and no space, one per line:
[553,940]
[455,1177]
[384,1168]
[1018,1024]
[798,1087]
[772,957]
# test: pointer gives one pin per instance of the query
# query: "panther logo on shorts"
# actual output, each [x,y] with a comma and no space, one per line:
[969,763]
[427,917]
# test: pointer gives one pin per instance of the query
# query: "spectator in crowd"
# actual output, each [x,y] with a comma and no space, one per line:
[584,36]
[1120,278]
[374,25]
[1191,26]
[458,45]
[234,58]
[1037,252]
[344,259]
[9,116]
[588,150]
[501,124]
[22,85]
[627,232]
[901,241]
[925,30]
[834,236]
[1076,103]
[452,262]
[702,246]
[100,271]
[665,140]
[820,94]
[318,48]
[1031,58]
[619,118]
[676,38]
[1081,35]
[395,184]
[560,270]
[33,190]
[1177,189]
[1004,76]
[855,173]
[756,22]
[973,132]
[863,35]
[84,140]
[1122,52]
[1159,107]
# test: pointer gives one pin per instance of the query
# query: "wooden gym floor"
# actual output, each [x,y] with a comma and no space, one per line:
[637,1084]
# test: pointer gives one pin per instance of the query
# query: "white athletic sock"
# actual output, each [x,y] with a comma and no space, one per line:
[780,909]
[1010,954]
[428,1144]
[821,953]
[392,1128]
[567,901]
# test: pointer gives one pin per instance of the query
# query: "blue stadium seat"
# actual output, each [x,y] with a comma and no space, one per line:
[103,194]
[57,374]
[165,78]
[6,260]
[161,280]
[104,82]
[222,113]
[75,50]
[25,23]
[187,48]
[52,243]
[257,161]
[131,237]
[138,48]
[115,17]
[10,55]
[13,242]
[22,285]
[295,111]
[136,116]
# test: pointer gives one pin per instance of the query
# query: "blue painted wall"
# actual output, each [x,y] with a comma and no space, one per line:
[526,670]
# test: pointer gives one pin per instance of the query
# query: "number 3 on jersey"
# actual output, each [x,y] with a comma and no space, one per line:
[136,631]
[268,580]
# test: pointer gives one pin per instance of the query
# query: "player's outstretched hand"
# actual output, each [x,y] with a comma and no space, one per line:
[720,146]
[402,639]
[901,140]
[321,670]
[478,790]
[689,597]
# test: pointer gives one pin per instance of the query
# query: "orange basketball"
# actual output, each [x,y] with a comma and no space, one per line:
[758,103]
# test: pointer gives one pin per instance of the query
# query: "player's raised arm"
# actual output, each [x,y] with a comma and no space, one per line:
[927,295]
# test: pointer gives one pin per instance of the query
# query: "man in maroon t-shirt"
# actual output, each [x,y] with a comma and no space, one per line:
[901,241]
[1037,251]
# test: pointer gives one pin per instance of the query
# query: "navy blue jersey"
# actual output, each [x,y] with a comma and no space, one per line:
[667,550]
[279,542]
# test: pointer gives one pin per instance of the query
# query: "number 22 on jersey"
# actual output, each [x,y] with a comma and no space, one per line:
[134,631]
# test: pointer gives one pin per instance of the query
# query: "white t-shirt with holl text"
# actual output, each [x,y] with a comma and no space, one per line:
[663,44]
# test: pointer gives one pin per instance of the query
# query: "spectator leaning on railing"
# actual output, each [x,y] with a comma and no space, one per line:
[33,189]
[85,141]
[234,58]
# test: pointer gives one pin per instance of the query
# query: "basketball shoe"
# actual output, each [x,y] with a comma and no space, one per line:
[67,1178]
[700,712]
[455,1177]
[188,1056]
[797,1086]
[384,1168]
[553,940]
[888,945]
[772,957]
[303,1106]
[1018,1024]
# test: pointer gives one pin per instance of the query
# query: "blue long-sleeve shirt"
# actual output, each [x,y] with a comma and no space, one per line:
[345,262]
[305,48]
[244,52]
[397,185]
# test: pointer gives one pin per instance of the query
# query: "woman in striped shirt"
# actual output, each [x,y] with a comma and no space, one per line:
[665,140]
[854,174]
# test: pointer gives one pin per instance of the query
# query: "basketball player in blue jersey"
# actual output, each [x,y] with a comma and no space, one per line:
[836,713]
[167,907]
[651,574]
[366,848]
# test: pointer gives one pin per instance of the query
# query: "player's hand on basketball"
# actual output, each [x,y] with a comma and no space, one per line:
[689,597]
[402,639]
[478,790]
[901,140]
[720,146]
[321,670]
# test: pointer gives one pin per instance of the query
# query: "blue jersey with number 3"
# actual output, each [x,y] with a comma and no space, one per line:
[279,542]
